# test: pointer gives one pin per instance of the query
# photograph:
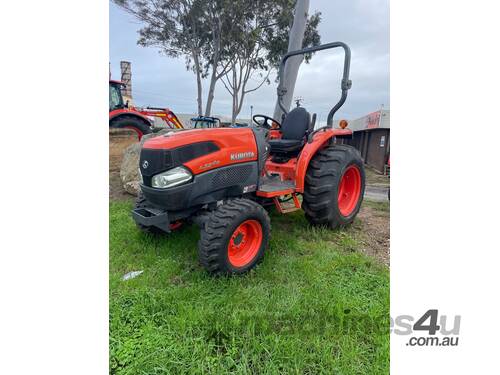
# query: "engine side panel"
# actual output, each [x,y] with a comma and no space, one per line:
[154,161]
[234,146]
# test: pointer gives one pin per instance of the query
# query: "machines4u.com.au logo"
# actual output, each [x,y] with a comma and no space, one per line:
[431,329]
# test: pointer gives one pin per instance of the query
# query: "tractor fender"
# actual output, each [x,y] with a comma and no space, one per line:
[127,112]
[320,139]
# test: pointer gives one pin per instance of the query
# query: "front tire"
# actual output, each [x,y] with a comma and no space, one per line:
[335,185]
[234,237]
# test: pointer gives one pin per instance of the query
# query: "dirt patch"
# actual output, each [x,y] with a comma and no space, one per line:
[375,232]
[119,140]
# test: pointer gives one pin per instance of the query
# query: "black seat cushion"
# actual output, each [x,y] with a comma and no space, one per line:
[293,130]
[296,124]
[285,145]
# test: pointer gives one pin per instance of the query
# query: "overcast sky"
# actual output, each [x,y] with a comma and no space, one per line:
[362,24]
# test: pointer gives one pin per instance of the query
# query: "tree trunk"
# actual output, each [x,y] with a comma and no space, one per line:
[211,90]
[216,32]
[198,82]
[200,92]
[292,66]
[233,116]
[239,105]
[235,98]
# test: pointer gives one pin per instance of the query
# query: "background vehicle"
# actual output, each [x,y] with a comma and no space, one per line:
[205,122]
[141,120]
[222,178]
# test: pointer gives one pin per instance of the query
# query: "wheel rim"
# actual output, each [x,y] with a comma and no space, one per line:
[349,190]
[244,243]
[139,133]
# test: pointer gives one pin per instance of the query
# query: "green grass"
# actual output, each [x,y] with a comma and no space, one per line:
[382,207]
[313,306]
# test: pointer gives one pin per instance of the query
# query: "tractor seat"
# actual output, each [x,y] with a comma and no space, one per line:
[293,130]
[283,146]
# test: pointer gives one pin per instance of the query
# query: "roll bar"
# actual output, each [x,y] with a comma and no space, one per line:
[346,82]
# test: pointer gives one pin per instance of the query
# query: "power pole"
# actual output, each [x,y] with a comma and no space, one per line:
[295,39]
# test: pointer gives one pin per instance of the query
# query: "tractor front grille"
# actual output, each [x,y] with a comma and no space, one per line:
[231,176]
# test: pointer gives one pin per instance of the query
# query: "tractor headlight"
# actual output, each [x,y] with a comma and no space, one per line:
[170,178]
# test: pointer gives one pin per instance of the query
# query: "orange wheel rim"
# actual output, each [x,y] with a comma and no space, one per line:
[349,190]
[244,243]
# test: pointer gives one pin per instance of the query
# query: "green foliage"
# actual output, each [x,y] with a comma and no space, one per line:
[180,26]
[219,37]
[177,27]
[314,306]
[277,37]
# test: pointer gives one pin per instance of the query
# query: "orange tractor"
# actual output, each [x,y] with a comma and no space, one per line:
[222,178]
[140,120]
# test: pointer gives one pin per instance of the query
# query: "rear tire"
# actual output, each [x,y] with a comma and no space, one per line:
[234,237]
[133,123]
[334,186]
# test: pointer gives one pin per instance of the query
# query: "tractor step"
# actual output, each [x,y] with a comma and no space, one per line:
[275,188]
[271,187]
[284,208]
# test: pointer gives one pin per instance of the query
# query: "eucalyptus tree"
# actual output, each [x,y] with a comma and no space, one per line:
[258,41]
[234,41]
[182,28]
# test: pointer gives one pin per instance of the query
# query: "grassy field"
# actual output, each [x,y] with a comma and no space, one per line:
[315,305]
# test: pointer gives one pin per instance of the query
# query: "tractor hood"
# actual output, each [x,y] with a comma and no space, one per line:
[223,136]
[199,150]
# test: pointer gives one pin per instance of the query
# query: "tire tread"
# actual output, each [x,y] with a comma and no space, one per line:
[211,246]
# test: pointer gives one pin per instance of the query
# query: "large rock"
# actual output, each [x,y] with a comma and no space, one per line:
[129,171]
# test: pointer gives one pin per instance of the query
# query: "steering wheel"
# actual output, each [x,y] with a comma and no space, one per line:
[267,122]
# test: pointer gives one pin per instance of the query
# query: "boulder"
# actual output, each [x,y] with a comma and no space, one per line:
[129,171]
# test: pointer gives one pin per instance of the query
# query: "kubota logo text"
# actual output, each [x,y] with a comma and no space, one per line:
[242,155]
